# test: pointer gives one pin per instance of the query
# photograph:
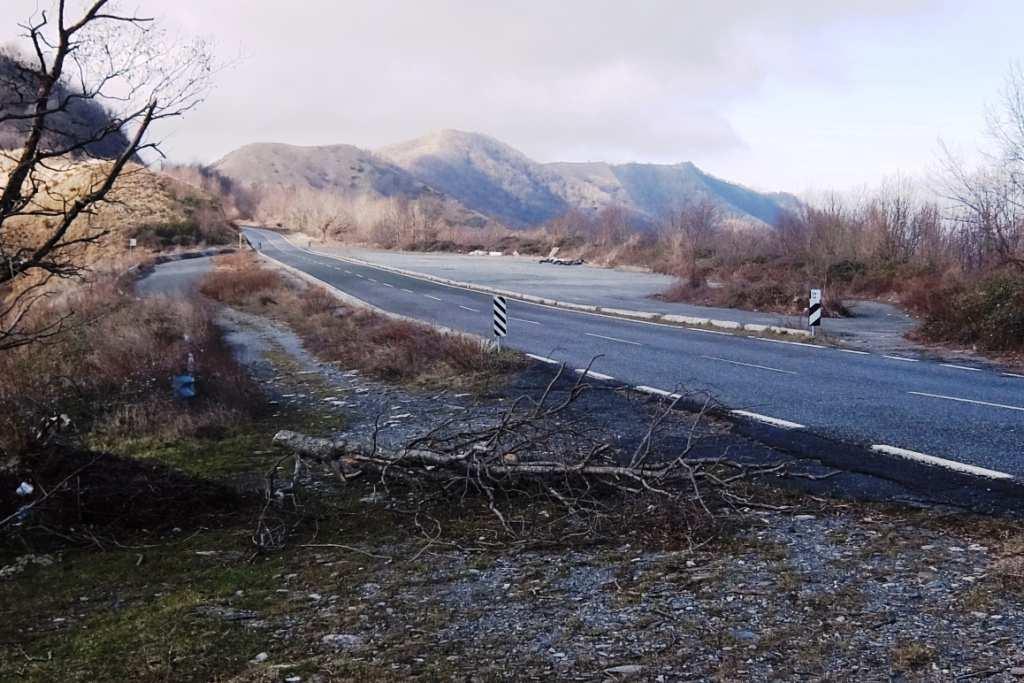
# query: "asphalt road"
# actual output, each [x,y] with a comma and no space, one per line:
[962,415]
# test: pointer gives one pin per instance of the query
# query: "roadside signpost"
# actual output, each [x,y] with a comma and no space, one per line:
[500,325]
[132,243]
[814,311]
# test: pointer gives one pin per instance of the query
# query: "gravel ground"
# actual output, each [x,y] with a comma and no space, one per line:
[813,590]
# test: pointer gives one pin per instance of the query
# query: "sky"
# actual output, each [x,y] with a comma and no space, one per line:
[795,95]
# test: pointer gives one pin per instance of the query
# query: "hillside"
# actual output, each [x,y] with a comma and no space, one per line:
[83,120]
[484,174]
[159,211]
[338,169]
[354,180]
[477,176]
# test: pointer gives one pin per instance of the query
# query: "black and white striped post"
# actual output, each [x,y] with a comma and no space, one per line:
[500,325]
[814,312]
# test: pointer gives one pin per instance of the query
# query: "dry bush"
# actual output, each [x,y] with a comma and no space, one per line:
[383,347]
[110,372]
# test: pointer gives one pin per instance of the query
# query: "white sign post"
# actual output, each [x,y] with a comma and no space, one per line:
[132,243]
[500,325]
[814,311]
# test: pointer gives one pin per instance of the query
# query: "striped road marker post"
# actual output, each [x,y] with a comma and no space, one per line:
[500,319]
[814,312]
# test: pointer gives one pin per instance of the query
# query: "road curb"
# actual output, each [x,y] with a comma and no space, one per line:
[626,314]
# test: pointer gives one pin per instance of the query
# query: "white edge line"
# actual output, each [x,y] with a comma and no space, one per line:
[543,359]
[657,392]
[701,329]
[940,462]
[595,375]
[791,343]
[902,358]
[859,353]
[773,421]
[1013,374]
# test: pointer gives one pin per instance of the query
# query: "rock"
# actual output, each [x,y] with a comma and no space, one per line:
[260,658]
[625,670]
[1017,671]
[743,634]
[342,641]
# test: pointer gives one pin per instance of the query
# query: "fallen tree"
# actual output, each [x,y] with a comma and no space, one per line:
[535,448]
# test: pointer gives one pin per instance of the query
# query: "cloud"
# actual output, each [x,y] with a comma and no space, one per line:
[574,79]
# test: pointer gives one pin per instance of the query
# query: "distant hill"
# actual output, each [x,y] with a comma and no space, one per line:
[342,171]
[483,176]
[81,121]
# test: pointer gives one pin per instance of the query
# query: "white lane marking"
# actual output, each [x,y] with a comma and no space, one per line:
[701,329]
[467,308]
[749,365]
[524,320]
[614,339]
[543,359]
[408,290]
[773,421]
[791,343]
[595,375]
[431,296]
[656,392]
[1013,374]
[902,358]
[348,272]
[359,276]
[959,367]
[940,462]
[372,280]
[967,400]
[859,353]
[387,285]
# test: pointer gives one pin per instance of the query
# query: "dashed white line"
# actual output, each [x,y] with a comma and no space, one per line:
[524,320]
[431,296]
[388,285]
[614,339]
[940,462]
[773,421]
[595,375]
[859,353]
[967,400]
[543,359]
[372,280]
[467,308]
[749,365]
[959,367]
[408,290]
[348,272]
[360,276]
[902,358]
[656,391]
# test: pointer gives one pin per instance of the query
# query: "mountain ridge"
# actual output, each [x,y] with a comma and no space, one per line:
[490,178]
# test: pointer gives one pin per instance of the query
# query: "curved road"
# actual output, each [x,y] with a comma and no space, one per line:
[962,415]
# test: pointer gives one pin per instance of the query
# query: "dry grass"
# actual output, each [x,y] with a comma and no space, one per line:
[110,372]
[382,347]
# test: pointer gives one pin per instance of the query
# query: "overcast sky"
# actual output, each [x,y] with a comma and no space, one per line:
[790,94]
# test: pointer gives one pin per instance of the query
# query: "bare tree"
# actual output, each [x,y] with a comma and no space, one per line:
[104,61]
